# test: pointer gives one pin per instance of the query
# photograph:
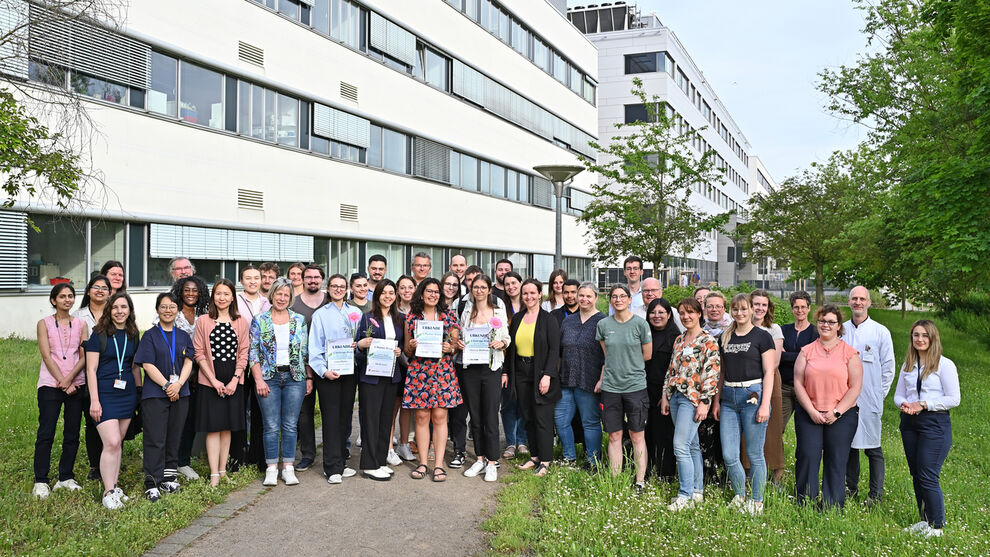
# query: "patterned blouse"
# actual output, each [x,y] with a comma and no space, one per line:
[694,369]
[263,350]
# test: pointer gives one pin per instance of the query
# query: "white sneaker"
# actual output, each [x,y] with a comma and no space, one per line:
[387,470]
[917,527]
[170,487]
[680,503]
[753,508]
[188,472]
[933,532]
[475,469]
[358,443]
[405,452]
[334,479]
[111,501]
[121,495]
[153,494]
[491,471]
[737,503]
[378,474]
[271,477]
[698,497]
[393,458]
[41,490]
[348,472]
[289,476]
[69,484]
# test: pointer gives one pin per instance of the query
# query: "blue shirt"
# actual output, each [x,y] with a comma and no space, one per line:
[106,371]
[154,350]
[329,323]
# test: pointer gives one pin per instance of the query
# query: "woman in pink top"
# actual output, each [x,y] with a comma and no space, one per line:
[59,385]
[828,376]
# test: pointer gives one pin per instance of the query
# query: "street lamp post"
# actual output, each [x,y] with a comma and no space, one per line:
[558,174]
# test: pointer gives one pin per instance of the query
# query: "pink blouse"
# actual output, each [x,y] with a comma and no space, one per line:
[826,378]
[63,347]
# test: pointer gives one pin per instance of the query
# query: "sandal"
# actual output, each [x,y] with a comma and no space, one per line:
[439,475]
[418,474]
[509,452]
[529,464]
[214,475]
[542,469]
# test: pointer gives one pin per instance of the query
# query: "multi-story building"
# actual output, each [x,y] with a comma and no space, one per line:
[634,45]
[244,131]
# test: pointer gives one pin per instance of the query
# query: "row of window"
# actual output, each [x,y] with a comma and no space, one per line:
[653,62]
[58,251]
[507,28]
[763,180]
[368,32]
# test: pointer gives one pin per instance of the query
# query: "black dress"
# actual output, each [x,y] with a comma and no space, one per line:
[660,428]
[215,413]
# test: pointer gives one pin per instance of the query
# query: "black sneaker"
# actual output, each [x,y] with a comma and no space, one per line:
[170,486]
[458,460]
[304,464]
[153,494]
[94,474]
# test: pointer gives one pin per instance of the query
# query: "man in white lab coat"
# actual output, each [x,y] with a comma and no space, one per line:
[876,350]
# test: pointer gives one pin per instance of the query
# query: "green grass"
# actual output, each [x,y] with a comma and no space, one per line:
[76,523]
[571,513]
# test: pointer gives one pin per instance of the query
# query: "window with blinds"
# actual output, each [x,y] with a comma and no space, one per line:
[431,160]
[195,242]
[392,39]
[335,124]
[13,249]
[13,31]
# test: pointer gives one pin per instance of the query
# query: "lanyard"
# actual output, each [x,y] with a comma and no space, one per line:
[918,365]
[171,347]
[120,355]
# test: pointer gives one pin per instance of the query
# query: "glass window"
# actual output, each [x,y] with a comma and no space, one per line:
[469,173]
[525,182]
[511,185]
[158,274]
[135,256]
[559,68]
[471,9]
[498,181]
[589,91]
[257,112]
[96,88]
[395,256]
[644,62]
[44,73]
[289,8]
[269,121]
[542,266]
[436,69]
[243,108]
[577,83]
[58,250]
[395,151]
[106,243]
[347,23]
[520,39]
[489,16]
[161,96]
[520,263]
[375,147]
[486,177]
[321,16]
[288,121]
[668,64]
[201,96]
[636,113]
[503,26]
[541,55]
[417,70]
[455,168]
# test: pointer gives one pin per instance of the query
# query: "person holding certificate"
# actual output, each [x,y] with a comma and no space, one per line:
[485,326]
[332,332]
[405,287]
[431,385]
[533,357]
[377,364]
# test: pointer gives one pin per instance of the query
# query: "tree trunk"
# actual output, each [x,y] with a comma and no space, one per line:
[903,303]
[657,265]
[819,285]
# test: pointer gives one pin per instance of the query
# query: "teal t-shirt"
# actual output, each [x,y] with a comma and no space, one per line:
[625,370]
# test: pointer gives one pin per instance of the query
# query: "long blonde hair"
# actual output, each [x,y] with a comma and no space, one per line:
[932,355]
[736,300]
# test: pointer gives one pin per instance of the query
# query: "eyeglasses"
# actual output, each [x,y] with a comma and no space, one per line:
[422,265]
[172,307]
[431,291]
[824,323]
[450,285]
[185,268]
[711,306]
[618,297]
[100,288]
[651,290]
[338,286]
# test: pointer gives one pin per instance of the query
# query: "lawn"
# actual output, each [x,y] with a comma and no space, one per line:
[571,513]
[76,523]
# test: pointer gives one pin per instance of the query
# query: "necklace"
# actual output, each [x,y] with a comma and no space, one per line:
[61,342]
[828,349]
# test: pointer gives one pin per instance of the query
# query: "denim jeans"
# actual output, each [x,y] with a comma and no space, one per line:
[280,412]
[586,404]
[512,421]
[739,418]
[687,449]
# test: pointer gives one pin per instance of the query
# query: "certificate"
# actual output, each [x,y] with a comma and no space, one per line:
[476,349]
[429,339]
[381,357]
[340,356]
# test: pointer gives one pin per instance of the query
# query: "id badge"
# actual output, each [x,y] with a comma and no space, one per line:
[119,384]
[173,378]
[868,357]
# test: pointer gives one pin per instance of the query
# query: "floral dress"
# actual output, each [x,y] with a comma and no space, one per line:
[431,382]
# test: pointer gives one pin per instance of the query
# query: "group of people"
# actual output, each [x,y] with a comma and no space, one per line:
[700,389]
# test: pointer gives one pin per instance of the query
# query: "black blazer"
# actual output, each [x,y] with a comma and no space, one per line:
[361,356]
[546,355]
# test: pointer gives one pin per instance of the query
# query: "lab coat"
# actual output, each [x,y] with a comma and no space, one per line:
[876,350]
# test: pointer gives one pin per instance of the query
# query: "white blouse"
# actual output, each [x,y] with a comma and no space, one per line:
[940,390]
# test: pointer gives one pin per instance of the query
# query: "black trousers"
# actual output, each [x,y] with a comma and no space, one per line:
[247,445]
[306,427]
[710,440]
[162,421]
[337,409]
[875,458]
[53,401]
[538,417]
[659,436]
[189,427]
[375,403]
[94,444]
[457,417]
[827,445]
[482,390]
[927,437]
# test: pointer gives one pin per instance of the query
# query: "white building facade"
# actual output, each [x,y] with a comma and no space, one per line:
[631,45]
[308,130]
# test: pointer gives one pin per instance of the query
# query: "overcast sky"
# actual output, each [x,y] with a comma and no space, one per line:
[762,58]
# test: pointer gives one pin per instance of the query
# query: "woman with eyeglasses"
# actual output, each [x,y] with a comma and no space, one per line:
[457,416]
[628,344]
[927,388]
[828,376]
[660,427]
[431,385]
[797,335]
[451,291]
[94,302]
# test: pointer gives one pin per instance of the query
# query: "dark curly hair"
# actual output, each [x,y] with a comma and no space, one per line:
[203,302]
[416,304]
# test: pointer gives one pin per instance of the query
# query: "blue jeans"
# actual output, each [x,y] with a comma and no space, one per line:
[280,412]
[739,418]
[512,421]
[574,399]
[687,449]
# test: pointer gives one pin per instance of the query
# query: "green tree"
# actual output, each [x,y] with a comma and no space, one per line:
[642,203]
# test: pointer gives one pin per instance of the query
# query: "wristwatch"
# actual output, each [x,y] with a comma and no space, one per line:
[837,414]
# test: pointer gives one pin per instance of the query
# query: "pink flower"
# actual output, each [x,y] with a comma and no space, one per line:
[495,322]
[373,322]
[354,317]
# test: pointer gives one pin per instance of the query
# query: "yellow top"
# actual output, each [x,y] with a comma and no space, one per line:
[524,339]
